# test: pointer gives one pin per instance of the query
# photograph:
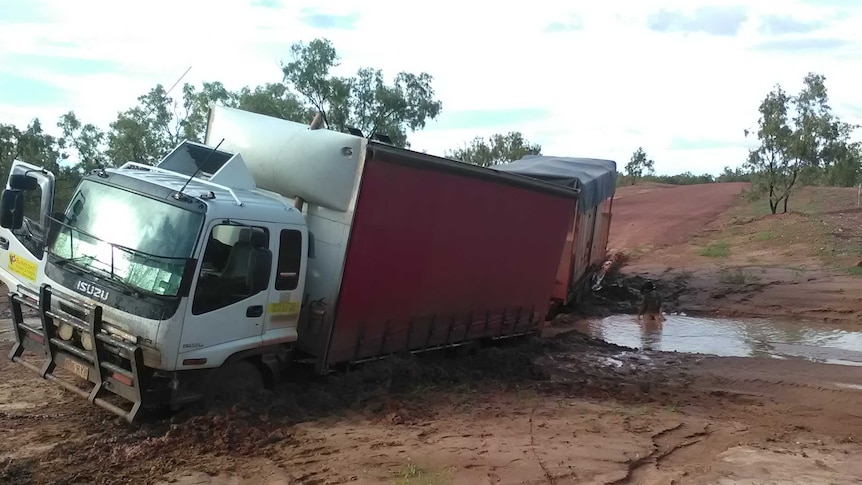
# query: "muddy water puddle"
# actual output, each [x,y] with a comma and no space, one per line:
[731,338]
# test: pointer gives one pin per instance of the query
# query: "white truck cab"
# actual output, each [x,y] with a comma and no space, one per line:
[173,270]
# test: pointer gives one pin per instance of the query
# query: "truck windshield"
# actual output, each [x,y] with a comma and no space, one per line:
[141,242]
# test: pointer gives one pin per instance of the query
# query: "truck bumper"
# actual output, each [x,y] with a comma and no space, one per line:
[112,365]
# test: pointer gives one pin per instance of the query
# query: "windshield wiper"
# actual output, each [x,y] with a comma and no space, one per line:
[73,260]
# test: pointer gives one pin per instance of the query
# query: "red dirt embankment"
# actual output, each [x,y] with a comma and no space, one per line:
[719,253]
[652,215]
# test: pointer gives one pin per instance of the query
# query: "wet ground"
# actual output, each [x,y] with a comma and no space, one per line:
[732,337]
[564,409]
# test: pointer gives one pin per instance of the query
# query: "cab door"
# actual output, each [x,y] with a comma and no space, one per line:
[227,313]
[22,250]
[291,245]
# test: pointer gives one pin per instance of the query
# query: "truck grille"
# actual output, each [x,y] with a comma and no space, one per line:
[70,335]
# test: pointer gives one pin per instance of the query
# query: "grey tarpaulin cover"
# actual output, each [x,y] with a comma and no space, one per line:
[595,178]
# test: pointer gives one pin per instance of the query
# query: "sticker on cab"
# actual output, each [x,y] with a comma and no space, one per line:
[283,307]
[22,266]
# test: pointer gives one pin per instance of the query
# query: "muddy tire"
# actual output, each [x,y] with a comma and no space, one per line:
[233,382]
[554,310]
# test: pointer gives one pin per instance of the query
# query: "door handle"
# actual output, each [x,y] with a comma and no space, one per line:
[254,311]
[4,243]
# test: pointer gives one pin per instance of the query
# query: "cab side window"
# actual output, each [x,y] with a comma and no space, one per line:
[236,265]
[289,260]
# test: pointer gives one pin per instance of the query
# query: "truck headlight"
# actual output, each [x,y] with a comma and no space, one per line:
[65,331]
[86,341]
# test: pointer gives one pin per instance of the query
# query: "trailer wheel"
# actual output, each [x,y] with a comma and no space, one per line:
[554,309]
[233,382]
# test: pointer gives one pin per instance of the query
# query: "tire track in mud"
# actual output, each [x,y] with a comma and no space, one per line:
[665,443]
[548,475]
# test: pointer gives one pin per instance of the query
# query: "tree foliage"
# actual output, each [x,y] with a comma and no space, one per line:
[84,144]
[498,149]
[364,101]
[639,165]
[160,120]
[801,142]
[34,146]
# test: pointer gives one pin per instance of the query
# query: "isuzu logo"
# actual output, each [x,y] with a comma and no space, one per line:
[91,290]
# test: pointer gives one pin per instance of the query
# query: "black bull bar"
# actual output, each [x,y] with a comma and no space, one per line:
[114,366]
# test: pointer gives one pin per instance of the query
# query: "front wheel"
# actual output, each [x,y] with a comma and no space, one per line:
[233,382]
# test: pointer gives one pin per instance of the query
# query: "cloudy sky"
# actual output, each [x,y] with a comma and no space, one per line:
[682,78]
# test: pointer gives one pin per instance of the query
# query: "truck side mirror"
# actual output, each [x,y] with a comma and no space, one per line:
[12,209]
[23,182]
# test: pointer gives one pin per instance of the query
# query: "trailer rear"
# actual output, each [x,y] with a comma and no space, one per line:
[585,248]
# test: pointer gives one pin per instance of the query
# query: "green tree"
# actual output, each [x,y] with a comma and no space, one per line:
[801,142]
[842,157]
[772,165]
[273,99]
[497,150]
[812,124]
[82,143]
[33,145]
[738,174]
[145,132]
[364,101]
[194,115]
[639,165]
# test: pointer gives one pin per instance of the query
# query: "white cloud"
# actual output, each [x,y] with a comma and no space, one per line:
[610,87]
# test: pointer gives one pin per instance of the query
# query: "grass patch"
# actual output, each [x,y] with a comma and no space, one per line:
[765,236]
[413,474]
[716,250]
[736,231]
[855,270]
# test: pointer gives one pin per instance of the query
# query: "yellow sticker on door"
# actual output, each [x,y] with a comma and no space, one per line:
[283,307]
[22,266]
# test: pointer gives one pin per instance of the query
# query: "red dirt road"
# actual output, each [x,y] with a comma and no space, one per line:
[652,215]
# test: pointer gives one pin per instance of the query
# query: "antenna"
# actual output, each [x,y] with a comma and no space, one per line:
[178,80]
[180,193]
[171,89]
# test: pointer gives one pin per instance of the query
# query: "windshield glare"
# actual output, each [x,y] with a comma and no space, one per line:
[156,238]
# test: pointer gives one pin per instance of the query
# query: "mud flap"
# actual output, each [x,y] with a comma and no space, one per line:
[113,366]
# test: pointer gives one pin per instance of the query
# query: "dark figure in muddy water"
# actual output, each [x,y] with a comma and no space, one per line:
[650,308]
[651,304]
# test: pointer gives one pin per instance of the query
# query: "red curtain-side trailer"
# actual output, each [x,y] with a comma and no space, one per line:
[442,253]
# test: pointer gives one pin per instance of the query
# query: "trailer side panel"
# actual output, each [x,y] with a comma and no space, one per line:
[602,230]
[437,258]
[560,291]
